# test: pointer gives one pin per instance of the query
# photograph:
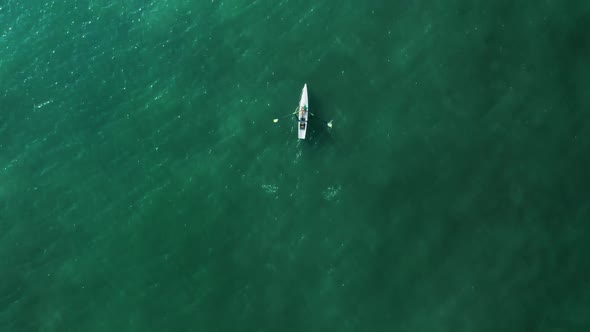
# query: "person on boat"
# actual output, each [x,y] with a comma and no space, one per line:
[303,110]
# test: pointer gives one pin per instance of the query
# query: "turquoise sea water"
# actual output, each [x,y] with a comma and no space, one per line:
[144,186]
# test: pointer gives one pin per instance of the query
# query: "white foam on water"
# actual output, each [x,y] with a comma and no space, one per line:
[270,188]
[332,193]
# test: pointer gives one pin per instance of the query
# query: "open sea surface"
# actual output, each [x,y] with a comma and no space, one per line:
[145,187]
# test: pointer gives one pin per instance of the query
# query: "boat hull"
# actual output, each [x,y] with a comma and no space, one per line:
[302,114]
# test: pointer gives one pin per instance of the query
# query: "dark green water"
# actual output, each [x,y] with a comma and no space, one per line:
[144,186]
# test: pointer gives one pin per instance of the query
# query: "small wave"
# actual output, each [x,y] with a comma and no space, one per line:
[331,193]
[38,106]
[270,188]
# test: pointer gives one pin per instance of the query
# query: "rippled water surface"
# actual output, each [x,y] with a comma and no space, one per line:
[145,187]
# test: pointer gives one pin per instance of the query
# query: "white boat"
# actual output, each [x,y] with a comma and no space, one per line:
[302,114]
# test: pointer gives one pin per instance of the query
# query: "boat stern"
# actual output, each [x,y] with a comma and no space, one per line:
[302,128]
